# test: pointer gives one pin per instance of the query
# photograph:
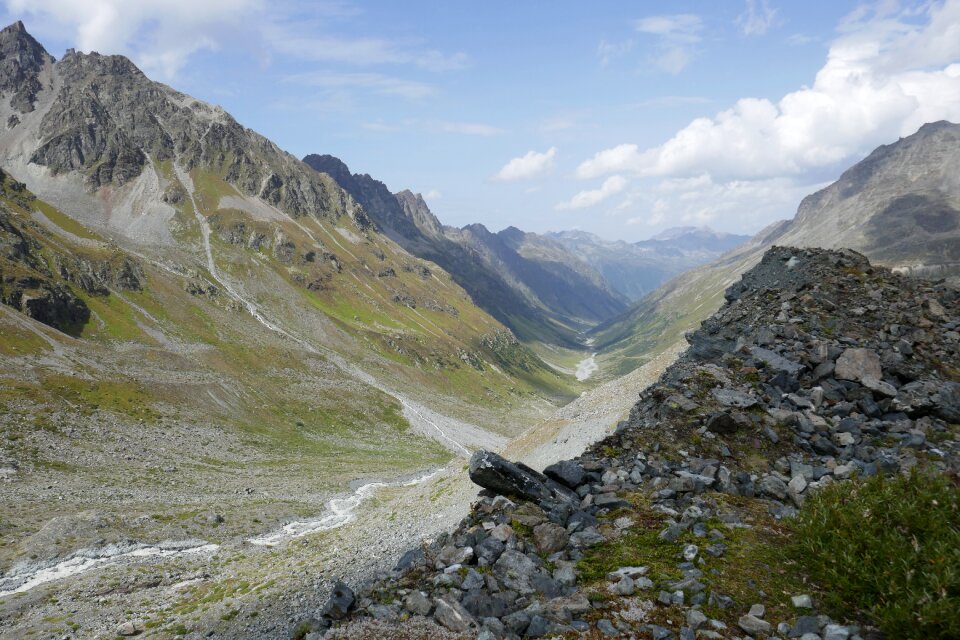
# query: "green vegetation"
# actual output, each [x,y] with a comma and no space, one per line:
[891,549]
[63,221]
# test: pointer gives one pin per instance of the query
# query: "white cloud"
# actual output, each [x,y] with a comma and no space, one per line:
[610,186]
[609,51]
[676,39]
[884,77]
[293,40]
[683,27]
[736,204]
[469,128]
[623,157]
[528,166]
[160,34]
[433,194]
[372,82]
[757,19]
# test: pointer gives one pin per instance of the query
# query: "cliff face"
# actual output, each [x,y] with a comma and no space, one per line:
[819,368]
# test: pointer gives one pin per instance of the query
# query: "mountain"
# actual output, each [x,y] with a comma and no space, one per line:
[742,494]
[634,269]
[900,206]
[202,338]
[535,286]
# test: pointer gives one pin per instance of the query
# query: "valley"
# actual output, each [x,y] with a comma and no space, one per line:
[233,382]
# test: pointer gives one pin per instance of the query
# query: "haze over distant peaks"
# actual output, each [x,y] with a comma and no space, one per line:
[634,269]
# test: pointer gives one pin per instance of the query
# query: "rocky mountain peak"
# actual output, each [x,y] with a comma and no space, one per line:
[333,167]
[22,59]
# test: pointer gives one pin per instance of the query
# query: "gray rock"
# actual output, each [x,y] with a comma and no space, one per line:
[130,628]
[606,628]
[489,550]
[696,619]
[550,538]
[754,625]
[537,627]
[498,474]
[802,601]
[855,364]
[417,603]
[567,472]
[722,423]
[587,538]
[624,586]
[773,486]
[805,624]
[450,614]
[835,632]
[775,361]
[565,573]
[515,571]
[340,602]
[385,612]
[733,398]
[879,386]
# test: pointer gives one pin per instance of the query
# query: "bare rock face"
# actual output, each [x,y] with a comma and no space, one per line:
[108,121]
[21,60]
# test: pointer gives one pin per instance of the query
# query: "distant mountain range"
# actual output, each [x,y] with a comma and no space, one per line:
[900,206]
[634,269]
[546,287]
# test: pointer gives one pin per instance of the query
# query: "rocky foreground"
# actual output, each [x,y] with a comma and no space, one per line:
[819,369]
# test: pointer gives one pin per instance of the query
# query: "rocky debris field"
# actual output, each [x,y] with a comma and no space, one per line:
[819,369]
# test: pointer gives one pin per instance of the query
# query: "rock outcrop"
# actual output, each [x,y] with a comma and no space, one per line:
[819,368]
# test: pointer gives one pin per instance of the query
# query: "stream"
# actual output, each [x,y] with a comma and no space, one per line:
[341,511]
[22,579]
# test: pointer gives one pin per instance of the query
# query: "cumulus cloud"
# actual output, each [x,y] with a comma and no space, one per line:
[531,165]
[611,186]
[160,34]
[757,19]
[884,77]
[623,157]
[735,205]
[433,194]
[676,38]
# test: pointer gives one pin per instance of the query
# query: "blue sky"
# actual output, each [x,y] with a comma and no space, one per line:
[621,118]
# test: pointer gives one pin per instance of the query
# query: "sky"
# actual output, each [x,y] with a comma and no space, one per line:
[619,118]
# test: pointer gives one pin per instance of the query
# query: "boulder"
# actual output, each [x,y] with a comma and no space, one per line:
[550,538]
[856,364]
[340,603]
[452,615]
[566,472]
[498,474]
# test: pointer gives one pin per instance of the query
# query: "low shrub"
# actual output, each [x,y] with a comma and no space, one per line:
[890,548]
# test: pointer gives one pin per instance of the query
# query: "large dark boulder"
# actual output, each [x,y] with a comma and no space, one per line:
[340,603]
[567,472]
[516,479]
